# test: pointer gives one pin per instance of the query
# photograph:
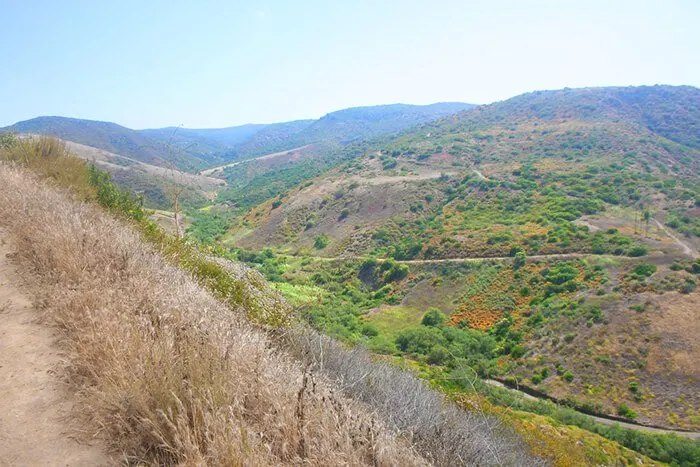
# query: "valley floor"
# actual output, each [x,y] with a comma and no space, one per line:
[36,427]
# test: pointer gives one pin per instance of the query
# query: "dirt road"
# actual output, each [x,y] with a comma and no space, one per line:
[687,249]
[36,426]
[607,421]
[474,259]
[219,169]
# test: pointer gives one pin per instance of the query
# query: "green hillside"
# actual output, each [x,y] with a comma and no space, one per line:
[556,232]
[347,126]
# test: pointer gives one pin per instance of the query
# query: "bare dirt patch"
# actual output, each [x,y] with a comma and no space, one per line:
[36,404]
[115,162]
[294,154]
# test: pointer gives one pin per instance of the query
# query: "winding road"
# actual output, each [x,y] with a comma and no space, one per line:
[604,420]
[470,259]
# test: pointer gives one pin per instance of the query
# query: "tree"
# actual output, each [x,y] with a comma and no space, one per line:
[646,215]
[177,186]
[433,317]
[321,242]
[520,259]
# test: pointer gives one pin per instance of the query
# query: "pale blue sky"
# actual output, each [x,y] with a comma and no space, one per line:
[220,63]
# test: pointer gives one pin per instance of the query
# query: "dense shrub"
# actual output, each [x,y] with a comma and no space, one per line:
[321,241]
[433,317]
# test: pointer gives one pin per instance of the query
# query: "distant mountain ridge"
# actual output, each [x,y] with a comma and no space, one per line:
[194,149]
[350,125]
[108,136]
[207,140]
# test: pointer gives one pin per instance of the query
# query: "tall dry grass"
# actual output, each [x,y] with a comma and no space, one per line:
[49,158]
[441,432]
[166,374]
[170,375]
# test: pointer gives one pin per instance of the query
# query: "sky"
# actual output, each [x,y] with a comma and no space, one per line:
[147,64]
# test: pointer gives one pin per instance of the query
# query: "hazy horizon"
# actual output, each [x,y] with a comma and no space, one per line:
[227,64]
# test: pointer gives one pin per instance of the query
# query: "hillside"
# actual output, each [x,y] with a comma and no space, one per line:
[156,184]
[560,229]
[194,149]
[532,142]
[347,126]
[164,343]
[109,137]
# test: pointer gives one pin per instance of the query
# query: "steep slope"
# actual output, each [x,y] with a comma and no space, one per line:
[528,142]
[36,426]
[157,184]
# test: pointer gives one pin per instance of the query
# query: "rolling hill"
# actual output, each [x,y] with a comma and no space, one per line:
[513,144]
[110,137]
[346,126]
[547,243]
[564,225]
[194,149]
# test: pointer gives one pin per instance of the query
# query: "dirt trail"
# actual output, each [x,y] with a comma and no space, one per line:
[217,170]
[471,259]
[607,421]
[36,427]
[686,248]
[480,175]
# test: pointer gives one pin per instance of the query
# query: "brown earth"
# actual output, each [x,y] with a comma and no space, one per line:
[36,427]
[289,155]
[115,162]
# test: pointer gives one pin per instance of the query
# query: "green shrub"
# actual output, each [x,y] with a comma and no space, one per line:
[644,270]
[519,260]
[624,411]
[688,286]
[433,317]
[637,251]
[633,386]
[438,355]
[321,241]
[396,273]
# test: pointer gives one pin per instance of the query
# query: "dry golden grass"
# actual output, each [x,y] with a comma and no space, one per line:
[172,376]
[166,374]
[50,159]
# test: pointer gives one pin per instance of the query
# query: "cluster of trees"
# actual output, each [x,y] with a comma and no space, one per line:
[456,347]
[207,227]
